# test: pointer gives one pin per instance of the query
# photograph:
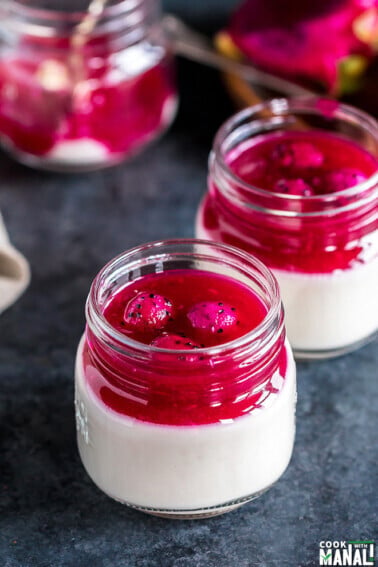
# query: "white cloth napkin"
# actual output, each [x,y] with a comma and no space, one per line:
[14,271]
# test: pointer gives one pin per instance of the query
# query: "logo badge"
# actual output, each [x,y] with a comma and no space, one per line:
[347,553]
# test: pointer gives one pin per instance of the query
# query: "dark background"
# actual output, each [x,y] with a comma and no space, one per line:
[51,515]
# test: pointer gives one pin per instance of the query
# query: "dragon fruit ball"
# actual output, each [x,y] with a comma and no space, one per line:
[293,187]
[148,311]
[297,154]
[174,341]
[212,317]
[343,179]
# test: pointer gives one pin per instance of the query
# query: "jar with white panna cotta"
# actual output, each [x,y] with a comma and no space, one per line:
[314,226]
[193,431]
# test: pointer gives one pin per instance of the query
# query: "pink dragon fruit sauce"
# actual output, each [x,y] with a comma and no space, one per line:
[184,380]
[296,183]
[195,316]
[189,322]
[70,108]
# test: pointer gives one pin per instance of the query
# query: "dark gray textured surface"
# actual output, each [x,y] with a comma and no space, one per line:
[51,515]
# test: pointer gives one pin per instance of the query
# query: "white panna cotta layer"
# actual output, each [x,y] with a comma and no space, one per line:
[325,311]
[83,151]
[185,468]
[330,311]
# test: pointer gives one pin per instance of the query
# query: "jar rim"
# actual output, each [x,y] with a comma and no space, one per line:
[123,16]
[278,107]
[20,8]
[95,316]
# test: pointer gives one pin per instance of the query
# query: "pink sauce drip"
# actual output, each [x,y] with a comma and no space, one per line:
[119,112]
[191,389]
[327,166]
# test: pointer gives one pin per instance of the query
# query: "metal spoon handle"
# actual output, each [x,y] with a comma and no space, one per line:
[192,45]
[81,33]
[84,29]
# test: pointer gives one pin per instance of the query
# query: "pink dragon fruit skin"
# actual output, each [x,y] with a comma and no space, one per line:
[301,40]
[148,311]
[212,316]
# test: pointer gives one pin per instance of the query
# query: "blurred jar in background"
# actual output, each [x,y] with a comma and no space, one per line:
[69,107]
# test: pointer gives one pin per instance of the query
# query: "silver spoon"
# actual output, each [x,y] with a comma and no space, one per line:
[80,36]
[55,75]
[190,44]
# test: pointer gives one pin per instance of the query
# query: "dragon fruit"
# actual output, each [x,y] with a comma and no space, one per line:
[327,43]
[147,311]
[212,316]
[173,341]
[293,187]
[342,179]
[298,155]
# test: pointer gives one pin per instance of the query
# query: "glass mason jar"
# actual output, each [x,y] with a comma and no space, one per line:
[72,102]
[323,249]
[185,433]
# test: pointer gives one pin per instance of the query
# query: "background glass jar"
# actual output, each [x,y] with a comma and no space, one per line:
[323,249]
[68,106]
[184,433]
